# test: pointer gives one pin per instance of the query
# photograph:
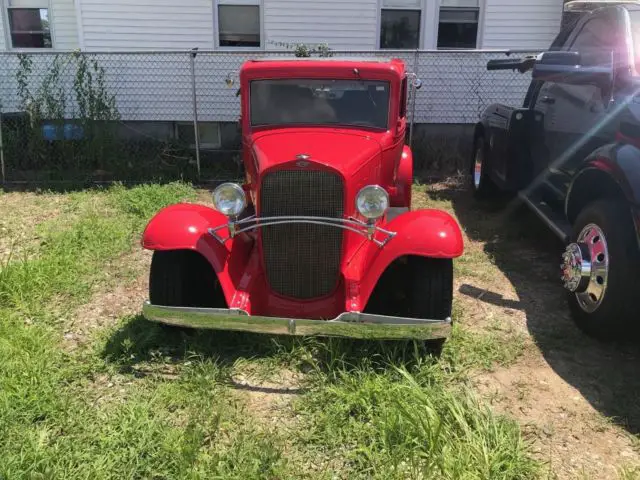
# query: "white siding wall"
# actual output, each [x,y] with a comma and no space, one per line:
[147,24]
[343,24]
[521,24]
[65,25]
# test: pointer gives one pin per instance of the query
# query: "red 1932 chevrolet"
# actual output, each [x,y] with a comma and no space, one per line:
[320,238]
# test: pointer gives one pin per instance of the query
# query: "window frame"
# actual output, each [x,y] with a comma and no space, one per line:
[216,25]
[203,145]
[43,4]
[422,8]
[479,32]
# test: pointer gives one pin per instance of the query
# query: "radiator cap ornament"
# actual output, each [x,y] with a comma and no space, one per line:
[302,160]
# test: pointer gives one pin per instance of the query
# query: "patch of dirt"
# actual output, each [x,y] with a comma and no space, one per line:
[20,214]
[268,400]
[125,288]
[568,433]
[576,399]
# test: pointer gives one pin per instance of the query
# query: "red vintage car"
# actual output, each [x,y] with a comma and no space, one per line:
[320,238]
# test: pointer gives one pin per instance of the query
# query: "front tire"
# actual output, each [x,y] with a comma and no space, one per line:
[431,293]
[183,278]
[601,300]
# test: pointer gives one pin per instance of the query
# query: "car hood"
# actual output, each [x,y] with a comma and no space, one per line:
[350,153]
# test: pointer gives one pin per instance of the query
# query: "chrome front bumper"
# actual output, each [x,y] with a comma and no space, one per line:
[349,324]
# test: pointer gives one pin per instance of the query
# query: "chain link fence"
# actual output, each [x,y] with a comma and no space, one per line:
[77,116]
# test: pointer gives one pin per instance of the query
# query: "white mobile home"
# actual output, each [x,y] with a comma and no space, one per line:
[266,24]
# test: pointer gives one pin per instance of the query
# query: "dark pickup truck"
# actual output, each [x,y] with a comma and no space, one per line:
[572,154]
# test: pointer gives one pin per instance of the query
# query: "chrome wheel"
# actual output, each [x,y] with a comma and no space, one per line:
[585,268]
[477,166]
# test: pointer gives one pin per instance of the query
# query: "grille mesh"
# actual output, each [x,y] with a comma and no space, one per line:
[302,260]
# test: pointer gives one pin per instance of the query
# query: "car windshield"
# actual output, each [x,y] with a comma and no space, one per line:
[360,103]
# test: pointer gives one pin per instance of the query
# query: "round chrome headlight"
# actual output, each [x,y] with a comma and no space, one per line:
[229,199]
[372,202]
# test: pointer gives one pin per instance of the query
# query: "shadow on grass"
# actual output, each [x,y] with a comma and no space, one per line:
[524,249]
[140,341]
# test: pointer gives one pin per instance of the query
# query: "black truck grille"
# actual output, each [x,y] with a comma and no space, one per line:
[302,260]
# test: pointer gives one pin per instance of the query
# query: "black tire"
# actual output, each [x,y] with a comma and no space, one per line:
[482,186]
[182,278]
[431,293]
[616,317]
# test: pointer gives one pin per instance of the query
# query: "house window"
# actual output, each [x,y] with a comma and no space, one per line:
[400,28]
[238,25]
[29,24]
[458,24]
[209,133]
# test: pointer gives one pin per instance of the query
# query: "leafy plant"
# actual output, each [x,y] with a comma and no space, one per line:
[73,86]
[302,50]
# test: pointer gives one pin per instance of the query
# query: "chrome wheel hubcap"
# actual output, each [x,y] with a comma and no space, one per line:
[477,167]
[585,268]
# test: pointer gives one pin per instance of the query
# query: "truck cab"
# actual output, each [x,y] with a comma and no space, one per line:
[571,152]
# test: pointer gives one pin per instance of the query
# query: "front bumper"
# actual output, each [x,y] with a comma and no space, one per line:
[348,324]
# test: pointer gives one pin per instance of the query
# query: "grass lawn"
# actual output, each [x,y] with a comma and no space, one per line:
[89,389]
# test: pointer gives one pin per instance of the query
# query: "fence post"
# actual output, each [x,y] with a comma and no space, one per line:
[196,131]
[2,150]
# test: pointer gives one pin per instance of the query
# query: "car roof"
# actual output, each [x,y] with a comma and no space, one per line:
[333,65]
[276,58]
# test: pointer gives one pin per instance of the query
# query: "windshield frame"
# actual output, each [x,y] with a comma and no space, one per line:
[322,124]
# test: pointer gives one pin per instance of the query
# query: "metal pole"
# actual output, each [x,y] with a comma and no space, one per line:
[414,91]
[2,150]
[196,131]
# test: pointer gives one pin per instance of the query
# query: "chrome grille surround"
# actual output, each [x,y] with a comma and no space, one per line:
[302,260]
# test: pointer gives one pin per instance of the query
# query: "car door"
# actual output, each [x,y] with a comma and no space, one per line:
[575,115]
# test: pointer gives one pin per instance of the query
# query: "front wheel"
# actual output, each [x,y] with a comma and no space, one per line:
[601,271]
[431,293]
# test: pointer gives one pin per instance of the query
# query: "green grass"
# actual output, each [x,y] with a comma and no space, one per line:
[401,425]
[146,401]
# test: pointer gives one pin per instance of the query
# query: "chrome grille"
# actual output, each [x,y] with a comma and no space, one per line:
[302,260]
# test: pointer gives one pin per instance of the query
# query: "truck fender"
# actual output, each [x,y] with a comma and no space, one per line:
[614,169]
[423,233]
[404,179]
[186,226]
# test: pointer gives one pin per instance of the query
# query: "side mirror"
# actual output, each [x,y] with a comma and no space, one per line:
[565,67]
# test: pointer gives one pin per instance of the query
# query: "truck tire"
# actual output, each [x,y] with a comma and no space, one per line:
[431,293]
[603,304]
[481,184]
[182,278]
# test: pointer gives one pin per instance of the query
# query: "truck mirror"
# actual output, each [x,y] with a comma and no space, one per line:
[417,84]
[565,67]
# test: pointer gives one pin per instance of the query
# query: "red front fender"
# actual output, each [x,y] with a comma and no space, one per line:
[424,233]
[185,226]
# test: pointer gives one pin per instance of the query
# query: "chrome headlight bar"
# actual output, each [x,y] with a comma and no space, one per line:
[366,229]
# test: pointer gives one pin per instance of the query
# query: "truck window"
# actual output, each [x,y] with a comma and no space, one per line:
[319,102]
[635,32]
[596,40]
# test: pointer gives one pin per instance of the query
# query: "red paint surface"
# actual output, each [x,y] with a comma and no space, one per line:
[360,156]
